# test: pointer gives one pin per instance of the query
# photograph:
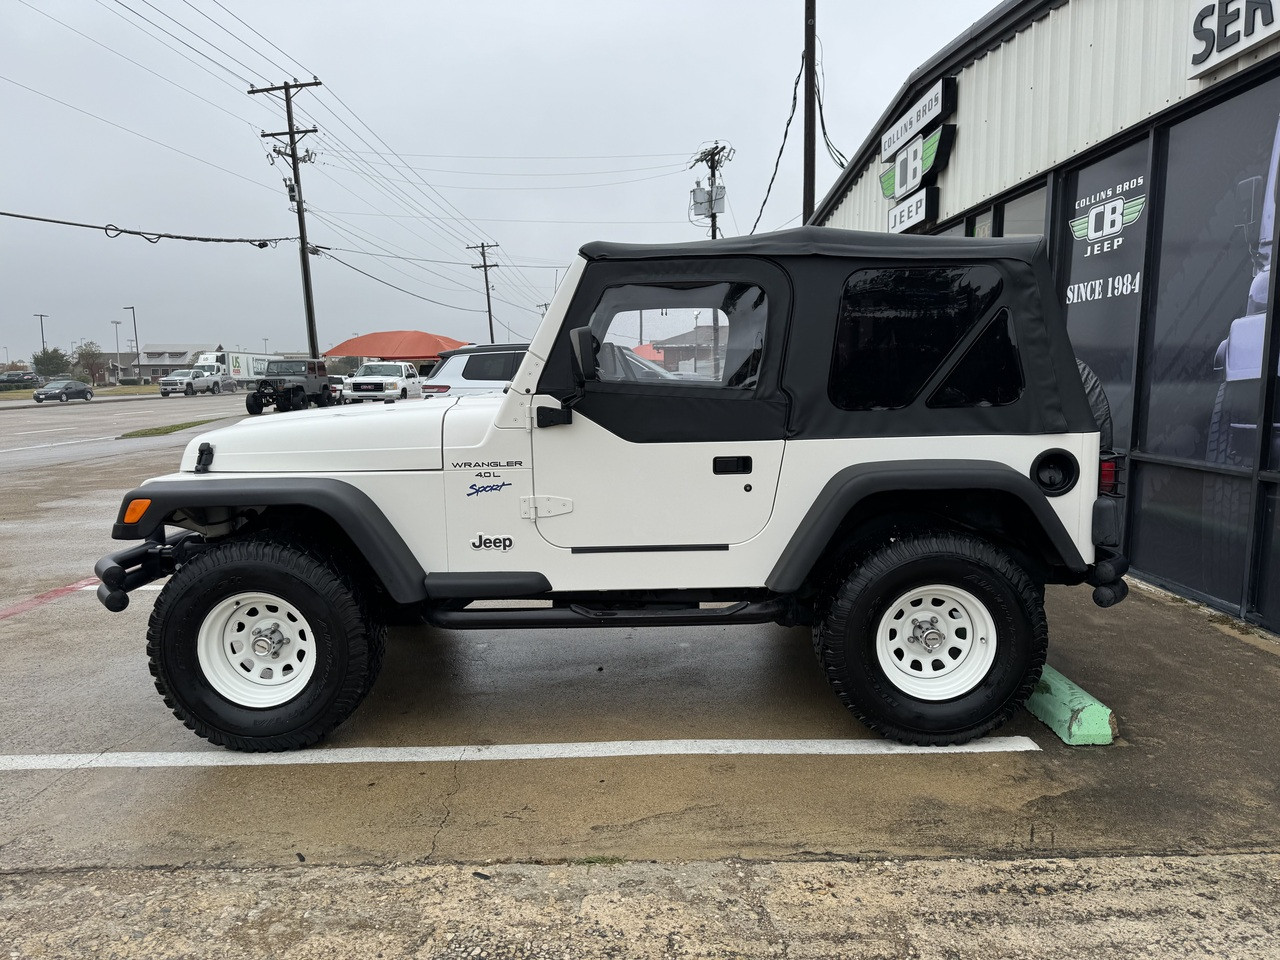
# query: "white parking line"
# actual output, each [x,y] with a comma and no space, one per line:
[509,751]
[61,443]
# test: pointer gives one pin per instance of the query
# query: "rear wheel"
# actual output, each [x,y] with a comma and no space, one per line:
[62,398]
[257,645]
[935,639]
[217,388]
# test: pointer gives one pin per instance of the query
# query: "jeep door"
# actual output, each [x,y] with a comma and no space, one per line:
[675,440]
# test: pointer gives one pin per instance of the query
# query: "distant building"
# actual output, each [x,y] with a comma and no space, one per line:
[160,359]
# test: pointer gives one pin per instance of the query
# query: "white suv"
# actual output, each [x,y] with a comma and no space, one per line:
[384,380]
[481,368]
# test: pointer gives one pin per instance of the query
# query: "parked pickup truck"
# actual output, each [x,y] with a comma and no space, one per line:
[190,382]
[889,443]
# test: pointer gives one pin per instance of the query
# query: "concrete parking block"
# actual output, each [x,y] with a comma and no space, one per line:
[1070,712]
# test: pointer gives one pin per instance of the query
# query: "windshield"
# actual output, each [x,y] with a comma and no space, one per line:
[180,373]
[287,368]
[57,384]
[205,367]
[379,370]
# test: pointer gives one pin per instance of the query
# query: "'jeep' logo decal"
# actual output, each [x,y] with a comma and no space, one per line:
[481,542]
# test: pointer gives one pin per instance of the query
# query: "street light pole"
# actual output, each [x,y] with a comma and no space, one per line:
[264,344]
[43,345]
[116,324]
[136,342]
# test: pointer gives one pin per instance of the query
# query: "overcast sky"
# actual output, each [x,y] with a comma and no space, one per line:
[535,126]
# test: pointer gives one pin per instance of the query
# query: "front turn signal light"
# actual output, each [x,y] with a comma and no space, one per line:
[135,510]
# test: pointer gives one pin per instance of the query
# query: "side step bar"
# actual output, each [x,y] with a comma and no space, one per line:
[578,615]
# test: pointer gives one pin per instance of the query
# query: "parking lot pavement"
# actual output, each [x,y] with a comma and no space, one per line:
[1191,782]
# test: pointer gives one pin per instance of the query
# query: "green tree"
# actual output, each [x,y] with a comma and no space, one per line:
[50,362]
[91,360]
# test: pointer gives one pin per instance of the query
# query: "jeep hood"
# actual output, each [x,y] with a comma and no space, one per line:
[401,436]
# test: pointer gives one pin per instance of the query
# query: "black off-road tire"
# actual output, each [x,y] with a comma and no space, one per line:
[284,402]
[253,403]
[852,649]
[347,643]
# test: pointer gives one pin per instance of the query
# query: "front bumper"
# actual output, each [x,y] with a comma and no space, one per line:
[140,564]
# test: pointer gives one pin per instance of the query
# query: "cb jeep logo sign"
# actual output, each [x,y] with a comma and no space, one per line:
[1104,220]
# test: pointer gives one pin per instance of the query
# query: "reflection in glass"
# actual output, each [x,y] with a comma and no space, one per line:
[1268,602]
[982,224]
[1191,528]
[1024,216]
[898,325]
[1209,316]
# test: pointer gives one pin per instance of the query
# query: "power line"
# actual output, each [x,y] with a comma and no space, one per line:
[487,156]
[189,156]
[221,66]
[266,41]
[540,173]
[394,287]
[152,236]
[795,97]
[458,186]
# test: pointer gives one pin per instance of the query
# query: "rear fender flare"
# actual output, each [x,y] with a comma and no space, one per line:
[851,485]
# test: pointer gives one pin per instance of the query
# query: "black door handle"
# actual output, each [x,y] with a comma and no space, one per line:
[731,465]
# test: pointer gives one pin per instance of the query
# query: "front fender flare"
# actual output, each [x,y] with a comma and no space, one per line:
[376,537]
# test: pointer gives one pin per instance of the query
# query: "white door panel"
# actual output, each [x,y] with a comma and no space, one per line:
[650,494]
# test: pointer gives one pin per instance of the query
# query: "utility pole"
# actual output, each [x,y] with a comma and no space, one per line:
[486,266]
[43,346]
[295,194]
[714,157]
[810,97]
[116,324]
[136,342]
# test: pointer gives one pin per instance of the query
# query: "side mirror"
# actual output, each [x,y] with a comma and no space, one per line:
[1249,200]
[584,346]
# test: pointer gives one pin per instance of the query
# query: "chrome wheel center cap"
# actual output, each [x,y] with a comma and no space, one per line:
[267,641]
[927,634]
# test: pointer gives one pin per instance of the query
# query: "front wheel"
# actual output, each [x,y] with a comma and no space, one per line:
[62,398]
[88,395]
[257,645]
[190,391]
[253,403]
[164,393]
[934,639]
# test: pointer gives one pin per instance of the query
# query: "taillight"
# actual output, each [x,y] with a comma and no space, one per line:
[1108,476]
[428,388]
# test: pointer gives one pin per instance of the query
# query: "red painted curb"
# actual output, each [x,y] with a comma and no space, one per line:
[47,597]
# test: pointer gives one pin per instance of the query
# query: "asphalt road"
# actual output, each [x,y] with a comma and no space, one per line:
[1162,844]
[44,435]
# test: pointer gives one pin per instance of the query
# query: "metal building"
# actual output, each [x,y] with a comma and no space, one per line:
[1142,138]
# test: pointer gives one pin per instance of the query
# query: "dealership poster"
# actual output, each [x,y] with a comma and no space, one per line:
[1106,236]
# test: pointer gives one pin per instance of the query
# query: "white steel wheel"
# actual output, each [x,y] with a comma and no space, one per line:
[256,650]
[936,642]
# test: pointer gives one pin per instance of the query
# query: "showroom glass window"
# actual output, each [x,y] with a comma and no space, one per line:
[1105,231]
[1203,344]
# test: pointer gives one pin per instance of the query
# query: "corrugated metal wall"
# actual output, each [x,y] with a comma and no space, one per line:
[1075,78]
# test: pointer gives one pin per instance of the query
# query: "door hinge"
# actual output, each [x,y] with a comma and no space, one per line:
[533,507]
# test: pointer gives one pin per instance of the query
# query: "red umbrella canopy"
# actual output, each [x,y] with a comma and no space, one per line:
[395,345]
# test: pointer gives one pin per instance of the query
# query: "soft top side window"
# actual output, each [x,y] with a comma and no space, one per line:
[696,333]
[898,325]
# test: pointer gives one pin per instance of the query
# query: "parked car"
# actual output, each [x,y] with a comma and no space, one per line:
[191,382]
[291,385]
[384,380]
[63,390]
[337,389]
[480,368]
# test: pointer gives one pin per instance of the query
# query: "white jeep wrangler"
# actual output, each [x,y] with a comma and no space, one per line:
[885,438]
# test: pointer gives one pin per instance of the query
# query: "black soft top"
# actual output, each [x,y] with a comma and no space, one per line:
[825,242]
